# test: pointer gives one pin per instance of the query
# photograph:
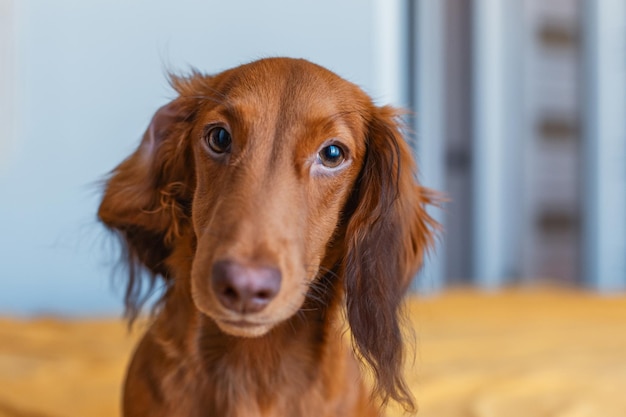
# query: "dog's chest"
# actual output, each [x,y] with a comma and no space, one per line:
[229,401]
[231,386]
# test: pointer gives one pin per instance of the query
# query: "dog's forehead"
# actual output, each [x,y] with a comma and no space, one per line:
[294,84]
[283,96]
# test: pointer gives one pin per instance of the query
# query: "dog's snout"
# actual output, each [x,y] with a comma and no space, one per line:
[242,288]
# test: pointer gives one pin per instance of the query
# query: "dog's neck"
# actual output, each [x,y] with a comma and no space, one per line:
[289,352]
[249,372]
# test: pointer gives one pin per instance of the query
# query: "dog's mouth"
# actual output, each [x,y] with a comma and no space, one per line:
[243,328]
[240,323]
[244,324]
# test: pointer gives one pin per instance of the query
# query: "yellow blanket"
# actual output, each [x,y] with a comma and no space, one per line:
[526,353]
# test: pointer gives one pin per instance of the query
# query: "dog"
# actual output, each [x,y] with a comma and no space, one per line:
[278,208]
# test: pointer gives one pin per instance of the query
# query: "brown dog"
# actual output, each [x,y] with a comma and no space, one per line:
[270,199]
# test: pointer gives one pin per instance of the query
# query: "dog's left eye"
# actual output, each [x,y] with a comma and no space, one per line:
[219,140]
[331,156]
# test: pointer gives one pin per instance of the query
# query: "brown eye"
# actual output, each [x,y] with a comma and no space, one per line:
[331,156]
[218,139]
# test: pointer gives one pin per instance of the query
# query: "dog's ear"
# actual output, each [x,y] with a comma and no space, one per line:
[147,198]
[387,235]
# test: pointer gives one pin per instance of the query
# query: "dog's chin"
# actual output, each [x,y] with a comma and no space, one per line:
[243,328]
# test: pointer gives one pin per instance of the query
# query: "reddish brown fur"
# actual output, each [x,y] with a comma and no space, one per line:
[348,240]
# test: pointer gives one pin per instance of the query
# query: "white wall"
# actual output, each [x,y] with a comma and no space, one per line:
[88,75]
[605,145]
[7,64]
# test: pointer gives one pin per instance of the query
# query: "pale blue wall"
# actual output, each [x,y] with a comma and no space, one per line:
[88,75]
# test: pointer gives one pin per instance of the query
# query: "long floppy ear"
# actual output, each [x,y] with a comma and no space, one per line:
[147,199]
[387,235]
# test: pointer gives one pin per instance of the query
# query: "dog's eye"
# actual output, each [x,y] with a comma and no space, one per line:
[219,140]
[331,156]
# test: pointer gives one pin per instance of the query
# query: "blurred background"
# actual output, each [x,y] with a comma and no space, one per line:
[519,119]
[518,116]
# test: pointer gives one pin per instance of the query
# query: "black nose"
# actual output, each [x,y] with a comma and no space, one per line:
[242,288]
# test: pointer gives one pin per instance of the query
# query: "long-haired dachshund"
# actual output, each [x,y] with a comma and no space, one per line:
[279,208]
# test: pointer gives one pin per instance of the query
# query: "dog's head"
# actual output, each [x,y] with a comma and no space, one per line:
[278,172]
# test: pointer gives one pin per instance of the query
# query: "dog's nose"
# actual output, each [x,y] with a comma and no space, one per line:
[244,289]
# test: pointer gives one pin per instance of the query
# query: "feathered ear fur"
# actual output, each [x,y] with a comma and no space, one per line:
[387,235]
[147,198]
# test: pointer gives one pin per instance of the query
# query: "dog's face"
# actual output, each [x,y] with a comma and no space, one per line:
[277,150]
[253,183]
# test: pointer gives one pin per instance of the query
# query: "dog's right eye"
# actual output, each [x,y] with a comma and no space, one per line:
[218,140]
[331,156]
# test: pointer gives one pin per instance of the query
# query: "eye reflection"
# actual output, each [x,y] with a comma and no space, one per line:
[219,140]
[331,156]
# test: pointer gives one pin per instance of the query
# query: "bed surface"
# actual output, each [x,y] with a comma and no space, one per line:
[529,353]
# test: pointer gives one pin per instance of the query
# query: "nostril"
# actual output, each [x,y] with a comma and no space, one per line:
[230,293]
[264,294]
[242,288]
